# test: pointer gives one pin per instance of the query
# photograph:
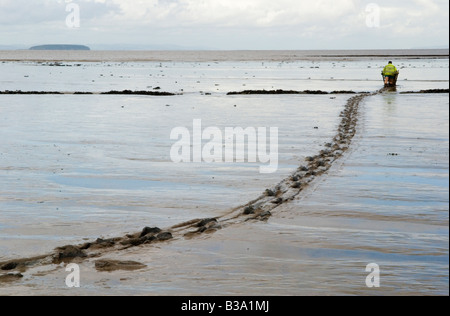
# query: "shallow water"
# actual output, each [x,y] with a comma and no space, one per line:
[219,56]
[81,167]
[371,208]
[83,162]
[220,77]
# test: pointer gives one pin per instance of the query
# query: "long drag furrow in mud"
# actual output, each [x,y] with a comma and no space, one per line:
[259,209]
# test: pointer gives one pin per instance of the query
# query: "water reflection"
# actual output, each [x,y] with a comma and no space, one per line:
[389,108]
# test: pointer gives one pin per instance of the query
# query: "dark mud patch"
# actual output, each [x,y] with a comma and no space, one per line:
[204,226]
[67,253]
[21,265]
[129,92]
[124,92]
[107,265]
[150,230]
[30,92]
[9,266]
[10,277]
[278,92]
[430,91]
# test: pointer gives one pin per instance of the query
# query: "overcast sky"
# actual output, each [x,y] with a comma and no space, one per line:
[227,24]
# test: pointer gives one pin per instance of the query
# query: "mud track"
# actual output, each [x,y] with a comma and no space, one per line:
[113,92]
[260,209]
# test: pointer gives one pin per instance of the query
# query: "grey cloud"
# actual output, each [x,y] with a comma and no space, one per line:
[236,24]
[25,12]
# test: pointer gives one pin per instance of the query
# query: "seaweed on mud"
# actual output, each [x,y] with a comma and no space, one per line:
[19,92]
[129,92]
[124,92]
[429,91]
[279,92]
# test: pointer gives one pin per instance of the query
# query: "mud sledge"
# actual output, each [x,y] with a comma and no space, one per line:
[392,82]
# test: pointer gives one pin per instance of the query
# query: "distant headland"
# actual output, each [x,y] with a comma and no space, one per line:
[60,47]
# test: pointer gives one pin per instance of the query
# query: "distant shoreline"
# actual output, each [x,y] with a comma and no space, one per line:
[60,47]
[215,56]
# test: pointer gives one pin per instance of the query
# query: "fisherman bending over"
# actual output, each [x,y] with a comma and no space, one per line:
[390,73]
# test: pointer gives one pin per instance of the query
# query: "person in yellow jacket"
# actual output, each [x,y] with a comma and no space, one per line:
[389,73]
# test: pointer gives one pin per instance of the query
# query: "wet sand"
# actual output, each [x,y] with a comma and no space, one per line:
[88,174]
[377,191]
[237,254]
[211,56]
[259,209]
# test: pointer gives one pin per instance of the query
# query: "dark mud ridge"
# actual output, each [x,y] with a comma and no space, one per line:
[260,209]
[29,92]
[276,92]
[124,92]
[427,91]
[129,92]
